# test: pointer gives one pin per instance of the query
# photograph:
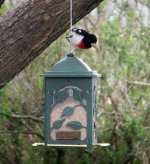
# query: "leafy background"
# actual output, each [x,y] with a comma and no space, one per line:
[122,56]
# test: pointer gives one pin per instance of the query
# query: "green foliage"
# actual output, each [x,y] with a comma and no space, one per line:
[3,9]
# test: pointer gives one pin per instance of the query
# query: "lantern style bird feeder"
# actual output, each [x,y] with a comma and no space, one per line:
[70,104]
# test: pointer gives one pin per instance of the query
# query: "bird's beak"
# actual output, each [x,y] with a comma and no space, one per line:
[68,37]
[93,45]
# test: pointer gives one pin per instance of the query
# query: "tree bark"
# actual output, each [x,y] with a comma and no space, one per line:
[31,27]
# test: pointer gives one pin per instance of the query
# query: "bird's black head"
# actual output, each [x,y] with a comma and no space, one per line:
[92,38]
[80,31]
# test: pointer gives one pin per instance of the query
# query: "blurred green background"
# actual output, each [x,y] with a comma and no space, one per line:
[122,56]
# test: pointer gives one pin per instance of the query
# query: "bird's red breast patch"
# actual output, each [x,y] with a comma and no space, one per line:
[81,45]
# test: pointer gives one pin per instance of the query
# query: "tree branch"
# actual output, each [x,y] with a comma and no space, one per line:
[138,83]
[27,117]
[24,117]
[145,3]
[23,132]
[27,30]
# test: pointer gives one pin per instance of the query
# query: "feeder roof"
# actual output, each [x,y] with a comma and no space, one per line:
[71,66]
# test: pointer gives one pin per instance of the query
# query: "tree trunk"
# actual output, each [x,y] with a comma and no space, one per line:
[31,27]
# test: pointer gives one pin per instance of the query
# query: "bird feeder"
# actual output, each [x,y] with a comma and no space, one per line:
[70,104]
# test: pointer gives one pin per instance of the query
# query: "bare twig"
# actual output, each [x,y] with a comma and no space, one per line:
[138,83]
[5,157]
[23,132]
[25,117]
[28,117]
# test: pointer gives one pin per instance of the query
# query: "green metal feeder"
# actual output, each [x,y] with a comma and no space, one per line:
[70,104]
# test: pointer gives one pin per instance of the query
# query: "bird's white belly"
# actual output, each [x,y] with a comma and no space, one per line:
[76,39]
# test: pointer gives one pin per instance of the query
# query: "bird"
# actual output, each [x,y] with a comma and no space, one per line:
[81,39]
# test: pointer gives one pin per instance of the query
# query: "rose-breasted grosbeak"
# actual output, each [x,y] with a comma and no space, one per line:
[81,39]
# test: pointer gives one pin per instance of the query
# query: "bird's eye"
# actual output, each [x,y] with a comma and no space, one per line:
[79,31]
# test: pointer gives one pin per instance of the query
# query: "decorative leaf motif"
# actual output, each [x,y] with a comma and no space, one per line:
[58,123]
[77,95]
[75,125]
[68,111]
[60,97]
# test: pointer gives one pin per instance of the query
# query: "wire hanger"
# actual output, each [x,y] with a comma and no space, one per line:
[71,15]
[71,48]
